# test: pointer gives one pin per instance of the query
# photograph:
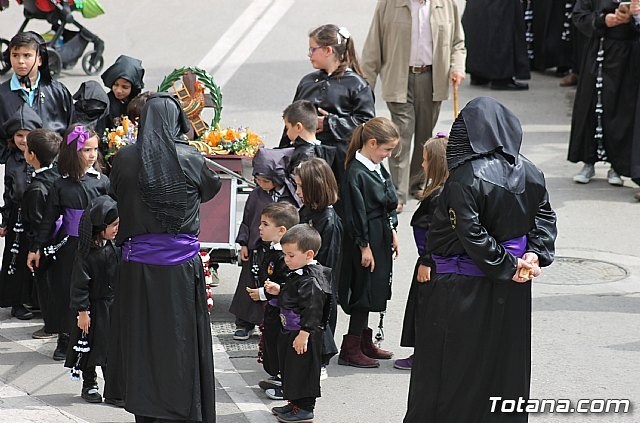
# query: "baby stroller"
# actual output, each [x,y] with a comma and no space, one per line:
[65,47]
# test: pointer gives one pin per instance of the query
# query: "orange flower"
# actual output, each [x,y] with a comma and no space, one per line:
[213,138]
[230,135]
[125,124]
[253,138]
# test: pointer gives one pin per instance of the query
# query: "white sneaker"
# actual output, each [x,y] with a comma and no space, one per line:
[585,175]
[614,179]
[323,373]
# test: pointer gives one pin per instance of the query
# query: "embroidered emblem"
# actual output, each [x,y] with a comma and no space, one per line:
[271,268]
[452,218]
[283,320]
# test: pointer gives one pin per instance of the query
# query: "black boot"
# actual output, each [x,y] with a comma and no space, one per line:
[90,391]
[21,312]
[60,352]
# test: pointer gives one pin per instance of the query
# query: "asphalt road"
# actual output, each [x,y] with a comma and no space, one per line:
[586,308]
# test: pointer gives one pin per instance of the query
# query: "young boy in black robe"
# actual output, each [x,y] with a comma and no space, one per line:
[304,301]
[125,80]
[16,285]
[276,219]
[92,277]
[42,149]
[31,83]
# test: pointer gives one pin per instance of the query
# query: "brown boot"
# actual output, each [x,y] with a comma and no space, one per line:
[369,348]
[351,355]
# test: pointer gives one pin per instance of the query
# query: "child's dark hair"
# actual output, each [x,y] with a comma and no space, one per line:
[302,111]
[134,109]
[281,214]
[304,236]
[69,161]
[24,39]
[379,128]
[318,184]
[341,41]
[45,144]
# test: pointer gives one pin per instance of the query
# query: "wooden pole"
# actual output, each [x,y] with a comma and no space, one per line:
[455,101]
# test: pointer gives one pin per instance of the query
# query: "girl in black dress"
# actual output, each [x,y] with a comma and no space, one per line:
[80,182]
[368,209]
[434,164]
[92,278]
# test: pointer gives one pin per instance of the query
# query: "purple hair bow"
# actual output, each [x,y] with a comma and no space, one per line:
[79,133]
[442,135]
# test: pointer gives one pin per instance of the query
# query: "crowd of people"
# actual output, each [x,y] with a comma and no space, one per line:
[108,251]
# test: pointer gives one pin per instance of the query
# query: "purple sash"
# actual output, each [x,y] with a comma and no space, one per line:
[70,221]
[58,226]
[161,249]
[273,302]
[290,319]
[464,265]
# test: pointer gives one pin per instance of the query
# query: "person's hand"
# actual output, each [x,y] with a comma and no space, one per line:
[322,113]
[634,9]
[3,231]
[271,287]
[395,245]
[254,293]
[523,272]
[84,321]
[300,342]
[611,20]
[367,258]
[623,15]
[33,260]
[456,78]
[532,258]
[244,253]
[424,274]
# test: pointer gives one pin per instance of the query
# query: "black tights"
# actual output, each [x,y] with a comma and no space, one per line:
[358,322]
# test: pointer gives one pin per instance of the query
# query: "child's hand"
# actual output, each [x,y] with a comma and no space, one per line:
[84,321]
[254,293]
[395,244]
[244,253]
[3,231]
[367,258]
[300,343]
[424,273]
[33,260]
[271,287]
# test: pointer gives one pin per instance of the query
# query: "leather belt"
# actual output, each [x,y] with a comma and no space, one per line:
[420,69]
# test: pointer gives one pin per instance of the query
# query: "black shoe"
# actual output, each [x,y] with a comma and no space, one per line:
[20,312]
[116,402]
[297,415]
[60,352]
[508,85]
[476,80]
[91,394]
[271,383]
[274,393]
[282,410]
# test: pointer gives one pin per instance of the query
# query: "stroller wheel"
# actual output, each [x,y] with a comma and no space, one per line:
[91,63]
[55,62]
[5,62]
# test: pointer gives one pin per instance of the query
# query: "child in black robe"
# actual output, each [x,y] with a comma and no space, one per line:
[269,170]
[304,300]
[368,210]
[92,276]
[275,220]
[42,149]
[16,284]
[31,83]
[81,182]
[317,187]
[125,80]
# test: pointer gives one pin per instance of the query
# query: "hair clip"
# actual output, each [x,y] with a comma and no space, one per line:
[442,135]
[343,32]
[80,134]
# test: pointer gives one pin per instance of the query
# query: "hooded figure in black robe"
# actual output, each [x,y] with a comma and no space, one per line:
[15,279]
[52,101]
[550,29]
[166,356]
[473,333]
[91,106]
[128,68]
[495,40]
[610,140]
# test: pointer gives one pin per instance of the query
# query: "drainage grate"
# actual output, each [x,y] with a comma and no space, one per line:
[224,332]
[581,271]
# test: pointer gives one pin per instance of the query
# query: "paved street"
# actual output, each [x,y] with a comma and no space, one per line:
[586,307]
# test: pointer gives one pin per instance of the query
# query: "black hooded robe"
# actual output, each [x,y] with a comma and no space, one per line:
[473,334]
[495,39]
[619,90]
[128,68]
[166,356]
[549,48]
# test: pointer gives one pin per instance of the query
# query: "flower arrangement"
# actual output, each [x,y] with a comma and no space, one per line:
[126,133]
[241,141]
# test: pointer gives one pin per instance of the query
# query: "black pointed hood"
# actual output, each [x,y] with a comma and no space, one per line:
[91,105]
[24,118]
[128,68]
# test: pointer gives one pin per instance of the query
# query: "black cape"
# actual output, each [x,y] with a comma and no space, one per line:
[473,334]
[91,106]
[495,39]
[550,50]
[619,90]
[368,210]
[53,104]
[163,305]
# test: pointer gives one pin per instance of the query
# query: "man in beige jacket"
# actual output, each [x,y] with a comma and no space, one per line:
[417,47]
